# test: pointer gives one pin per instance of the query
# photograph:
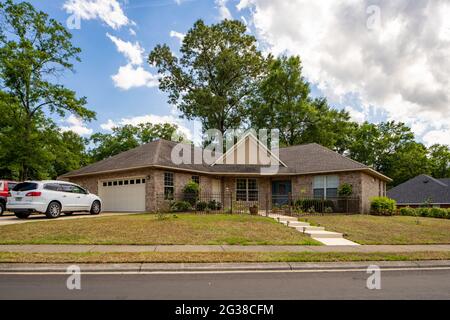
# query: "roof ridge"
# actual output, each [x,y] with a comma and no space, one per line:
[434,179]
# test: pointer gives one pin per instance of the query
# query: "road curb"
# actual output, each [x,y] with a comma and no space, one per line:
[219,267]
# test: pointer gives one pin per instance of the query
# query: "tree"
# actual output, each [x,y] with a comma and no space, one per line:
[217,70]
[128,137]
[282,101]
[390,148]
[439,159]
[54,152]
[34,51]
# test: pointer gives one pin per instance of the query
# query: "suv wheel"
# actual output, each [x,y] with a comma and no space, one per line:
[53,210]
[22,215]
[2,208]
[96,208]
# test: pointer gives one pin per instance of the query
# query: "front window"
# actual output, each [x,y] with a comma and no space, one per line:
[168,185]
[246,190]
[326,187]
[196,179]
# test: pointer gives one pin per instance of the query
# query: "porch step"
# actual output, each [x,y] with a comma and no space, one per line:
[309,228]
[319,234]
[295,223]
[283,218]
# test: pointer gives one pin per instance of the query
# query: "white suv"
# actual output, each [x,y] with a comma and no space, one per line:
[51,198]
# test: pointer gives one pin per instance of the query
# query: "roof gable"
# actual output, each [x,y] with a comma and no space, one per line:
[249,150]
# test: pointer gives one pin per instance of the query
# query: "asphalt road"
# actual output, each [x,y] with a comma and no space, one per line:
[412,284]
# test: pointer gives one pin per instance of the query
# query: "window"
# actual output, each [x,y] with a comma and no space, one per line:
[138,181]
[109,184]
[25,186]
[51,186]
[125,182]
[105,184]
[65,188]
[326,187]
[131,181]
[196,179]
[76,189]
[143,180]
[246,190]
[168,185]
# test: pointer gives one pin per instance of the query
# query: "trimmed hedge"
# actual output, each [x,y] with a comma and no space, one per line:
[440,213]
[383,206]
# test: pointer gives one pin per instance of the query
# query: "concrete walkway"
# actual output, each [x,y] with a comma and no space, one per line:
[328,238]
[8,218]
[219,248]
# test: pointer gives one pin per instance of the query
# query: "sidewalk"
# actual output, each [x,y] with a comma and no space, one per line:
[219,248]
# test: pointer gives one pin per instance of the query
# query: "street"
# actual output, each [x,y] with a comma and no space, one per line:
[398,284]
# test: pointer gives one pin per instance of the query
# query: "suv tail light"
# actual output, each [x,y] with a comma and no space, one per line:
[33,194]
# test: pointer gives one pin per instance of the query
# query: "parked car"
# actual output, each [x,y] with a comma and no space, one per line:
[51,198]
[5,187]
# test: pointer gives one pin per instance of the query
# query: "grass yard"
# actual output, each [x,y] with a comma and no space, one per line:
[148,229]
[366,229]
[215,257]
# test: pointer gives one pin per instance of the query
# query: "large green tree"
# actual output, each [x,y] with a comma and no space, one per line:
[439,160]
[218,68]
[34,51]
[389,147]
[128,137]
[282,101]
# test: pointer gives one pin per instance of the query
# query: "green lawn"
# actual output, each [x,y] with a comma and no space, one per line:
[215,257]
[366,229]
[148,229]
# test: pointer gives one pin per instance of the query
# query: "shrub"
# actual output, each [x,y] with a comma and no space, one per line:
[328,210]
[214,205]
[407,211]
[440,213]
[181,206]
[345,190]
[382,206]
[317,204]
[201,206]
[190,192]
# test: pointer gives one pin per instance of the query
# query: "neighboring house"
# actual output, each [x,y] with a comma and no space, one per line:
[134,180]
[422,190]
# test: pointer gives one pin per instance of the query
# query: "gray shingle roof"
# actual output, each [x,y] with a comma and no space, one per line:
[301,159]
[421,189]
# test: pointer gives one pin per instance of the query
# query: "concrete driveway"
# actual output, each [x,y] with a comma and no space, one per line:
[9,218]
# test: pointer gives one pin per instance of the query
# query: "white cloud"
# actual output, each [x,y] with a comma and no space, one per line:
[76,125]
[132,51]
[132,32]
[180,36]
[130,76]
[109,11]
[437,136]
[399,68]
[357,116]
[224,12]
[109,125]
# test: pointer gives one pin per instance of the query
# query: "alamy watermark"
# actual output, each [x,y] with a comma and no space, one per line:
[73,282]
[235,147]
[374,281]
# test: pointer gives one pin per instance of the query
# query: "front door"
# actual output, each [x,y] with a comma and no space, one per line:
[280,192]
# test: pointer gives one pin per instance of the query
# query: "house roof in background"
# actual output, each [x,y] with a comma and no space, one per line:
[421,189]
[301,159]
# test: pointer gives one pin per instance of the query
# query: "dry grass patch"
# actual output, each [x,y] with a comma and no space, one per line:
[148,229]
[366,229]
[215,257]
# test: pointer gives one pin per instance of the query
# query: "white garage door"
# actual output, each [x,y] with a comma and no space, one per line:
[125,195]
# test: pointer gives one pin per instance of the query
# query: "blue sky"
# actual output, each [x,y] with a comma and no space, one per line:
[377,59]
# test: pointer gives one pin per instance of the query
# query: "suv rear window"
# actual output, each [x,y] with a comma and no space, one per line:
[25,186]
[11,185]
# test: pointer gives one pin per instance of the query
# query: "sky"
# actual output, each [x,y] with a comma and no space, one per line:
[378,59]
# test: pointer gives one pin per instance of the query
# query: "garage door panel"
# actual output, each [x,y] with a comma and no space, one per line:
[126,198]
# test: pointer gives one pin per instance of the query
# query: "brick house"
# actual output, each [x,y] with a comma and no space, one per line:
[134,180]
